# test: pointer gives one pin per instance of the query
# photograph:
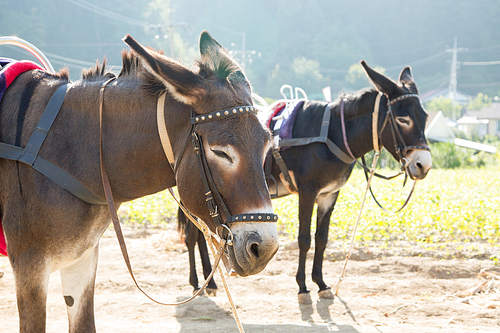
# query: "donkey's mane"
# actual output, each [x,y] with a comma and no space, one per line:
[352,103]
[213,64]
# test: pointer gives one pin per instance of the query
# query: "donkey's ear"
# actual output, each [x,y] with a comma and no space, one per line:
[208,43]
[381,82]
[406,80]
[185,85]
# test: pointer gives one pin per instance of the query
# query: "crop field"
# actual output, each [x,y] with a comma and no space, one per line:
[450,205]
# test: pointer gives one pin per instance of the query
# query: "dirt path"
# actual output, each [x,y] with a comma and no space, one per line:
[394,294]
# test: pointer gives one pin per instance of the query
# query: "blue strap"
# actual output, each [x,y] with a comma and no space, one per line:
[29,155]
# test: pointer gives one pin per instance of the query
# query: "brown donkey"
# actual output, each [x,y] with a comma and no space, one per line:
[49,229]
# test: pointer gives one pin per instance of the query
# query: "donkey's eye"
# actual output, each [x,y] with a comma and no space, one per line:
[403,120]
[222,154]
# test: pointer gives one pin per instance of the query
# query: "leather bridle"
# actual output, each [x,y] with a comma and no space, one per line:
[396,133]
[397,138]
[215,203]
[212,195]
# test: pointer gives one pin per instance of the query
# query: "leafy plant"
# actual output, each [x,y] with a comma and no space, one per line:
[450,205]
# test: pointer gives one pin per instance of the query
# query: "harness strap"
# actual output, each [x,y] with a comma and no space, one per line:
[116,222]
[29,154]
[162,130]
[376,146]
[346,144]
[323,137]
[284,170]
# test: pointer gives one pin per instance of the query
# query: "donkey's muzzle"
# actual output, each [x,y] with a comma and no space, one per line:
[254,245]
[420,163]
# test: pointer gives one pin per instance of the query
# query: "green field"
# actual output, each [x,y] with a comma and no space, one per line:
[450,205]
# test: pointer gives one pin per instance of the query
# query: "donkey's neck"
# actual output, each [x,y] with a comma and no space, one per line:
[358,122]
[133,155]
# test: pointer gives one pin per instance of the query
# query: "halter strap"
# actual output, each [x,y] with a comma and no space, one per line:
[162,129]
[376,146]
[212,196]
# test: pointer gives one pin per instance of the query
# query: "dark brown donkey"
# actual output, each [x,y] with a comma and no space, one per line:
[49,229]
[318,174]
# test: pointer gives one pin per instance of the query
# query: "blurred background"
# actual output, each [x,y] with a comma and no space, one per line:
[312,44]
[453,47]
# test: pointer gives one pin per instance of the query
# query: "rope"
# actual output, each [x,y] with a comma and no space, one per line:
[209,237]
[348,255]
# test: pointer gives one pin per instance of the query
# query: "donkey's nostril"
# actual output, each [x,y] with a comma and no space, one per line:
[420,166]
[254,249]
[252,245]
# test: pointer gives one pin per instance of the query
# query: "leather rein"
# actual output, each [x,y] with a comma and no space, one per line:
[397,137]
[213,198]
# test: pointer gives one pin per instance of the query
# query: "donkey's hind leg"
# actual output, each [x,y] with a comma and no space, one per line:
[78,282]
[205,262]
[326,202]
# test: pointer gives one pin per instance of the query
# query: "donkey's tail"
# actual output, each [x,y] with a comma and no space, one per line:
[181,221]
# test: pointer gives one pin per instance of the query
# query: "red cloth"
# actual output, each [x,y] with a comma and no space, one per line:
[12,70]
[274,110]
[3,244]
[7,75]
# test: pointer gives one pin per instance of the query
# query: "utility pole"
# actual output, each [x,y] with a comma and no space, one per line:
[452,87]
[246,55]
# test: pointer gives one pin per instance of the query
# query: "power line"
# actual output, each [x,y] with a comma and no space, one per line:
[418,62]
[107,13]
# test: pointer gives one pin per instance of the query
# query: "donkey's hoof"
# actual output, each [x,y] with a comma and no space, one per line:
[202,293]
[327,293]
[305,298]
[211,292]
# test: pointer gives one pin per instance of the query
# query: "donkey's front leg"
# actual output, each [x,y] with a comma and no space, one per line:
[191,233]
[326,202]
[31,274]
[306,205]
[78,282]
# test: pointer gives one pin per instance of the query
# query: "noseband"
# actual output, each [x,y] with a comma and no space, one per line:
[215,203]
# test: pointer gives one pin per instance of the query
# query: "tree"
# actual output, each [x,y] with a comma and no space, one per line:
[304,73]
[477,103]
[443,104]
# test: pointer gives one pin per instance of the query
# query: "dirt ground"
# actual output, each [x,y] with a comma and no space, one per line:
[383,292]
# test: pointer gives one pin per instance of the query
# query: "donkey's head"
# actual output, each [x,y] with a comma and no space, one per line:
[403,135]
[233,146]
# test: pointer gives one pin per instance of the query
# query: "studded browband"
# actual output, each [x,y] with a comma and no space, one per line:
[216,115]
[256,217]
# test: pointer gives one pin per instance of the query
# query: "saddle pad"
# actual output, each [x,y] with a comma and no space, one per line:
[273,111]
[10,70]
[282,108]
[287,125]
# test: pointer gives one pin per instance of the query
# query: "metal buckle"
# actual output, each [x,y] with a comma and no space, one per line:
[215,213]
[404,163]
[230,236]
